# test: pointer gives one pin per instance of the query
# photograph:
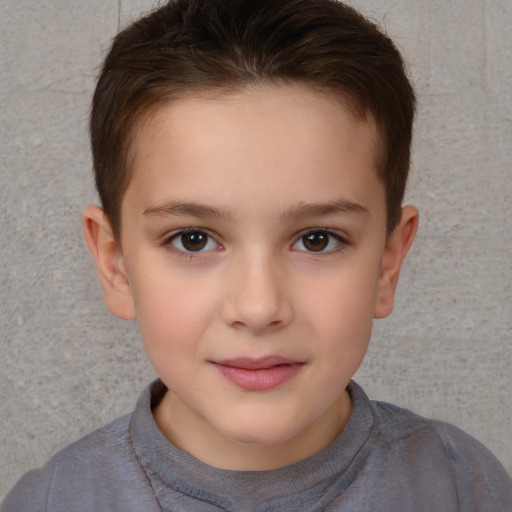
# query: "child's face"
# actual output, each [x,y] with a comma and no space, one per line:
[255,255]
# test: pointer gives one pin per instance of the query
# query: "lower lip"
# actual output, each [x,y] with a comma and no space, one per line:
[259,380]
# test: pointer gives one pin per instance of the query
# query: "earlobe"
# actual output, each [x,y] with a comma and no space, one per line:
[108,256]
[397,246]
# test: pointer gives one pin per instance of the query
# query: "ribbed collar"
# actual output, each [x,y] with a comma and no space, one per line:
[306,485]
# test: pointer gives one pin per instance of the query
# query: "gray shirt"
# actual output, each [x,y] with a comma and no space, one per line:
[387,460]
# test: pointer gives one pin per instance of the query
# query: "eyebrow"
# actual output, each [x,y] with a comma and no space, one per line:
[190,208]
[296,211]
[341,206]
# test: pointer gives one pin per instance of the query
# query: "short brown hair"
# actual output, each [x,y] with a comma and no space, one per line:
[197,45]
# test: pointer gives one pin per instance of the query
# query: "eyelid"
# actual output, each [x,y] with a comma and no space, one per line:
[341,238]
[166,241]
[173,235]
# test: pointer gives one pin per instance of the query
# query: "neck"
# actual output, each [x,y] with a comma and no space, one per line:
[193,435]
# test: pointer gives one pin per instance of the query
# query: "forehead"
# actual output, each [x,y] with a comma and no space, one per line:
[257,101]
[291,138]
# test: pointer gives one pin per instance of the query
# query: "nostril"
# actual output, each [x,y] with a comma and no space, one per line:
[271,326]
[237,324]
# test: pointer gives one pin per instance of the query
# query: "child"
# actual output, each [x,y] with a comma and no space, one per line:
[251,158]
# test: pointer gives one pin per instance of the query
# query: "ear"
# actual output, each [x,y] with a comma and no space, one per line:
[397,246]
[108,255]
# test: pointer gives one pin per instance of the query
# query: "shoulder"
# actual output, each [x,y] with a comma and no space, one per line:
[88,471]
[442,456]
[402,427]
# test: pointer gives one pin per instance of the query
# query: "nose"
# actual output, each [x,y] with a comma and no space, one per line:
[257,295]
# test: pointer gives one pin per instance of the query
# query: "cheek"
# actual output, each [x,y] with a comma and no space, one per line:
[340,310]
[172,313]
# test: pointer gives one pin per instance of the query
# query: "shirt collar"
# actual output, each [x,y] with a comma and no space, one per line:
[175,475]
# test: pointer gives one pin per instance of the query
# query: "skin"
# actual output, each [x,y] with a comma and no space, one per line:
[254,173]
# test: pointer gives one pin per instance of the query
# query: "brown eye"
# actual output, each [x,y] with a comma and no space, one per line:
[193,241]
[316,241]
[320,241]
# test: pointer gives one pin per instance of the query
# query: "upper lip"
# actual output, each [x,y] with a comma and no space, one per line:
[260,363]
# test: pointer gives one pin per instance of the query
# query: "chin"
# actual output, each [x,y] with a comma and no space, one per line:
[258,434]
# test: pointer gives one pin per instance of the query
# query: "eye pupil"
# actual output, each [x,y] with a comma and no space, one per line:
[315,241]
[194,240]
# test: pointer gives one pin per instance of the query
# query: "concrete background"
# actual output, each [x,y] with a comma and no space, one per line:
[67,366]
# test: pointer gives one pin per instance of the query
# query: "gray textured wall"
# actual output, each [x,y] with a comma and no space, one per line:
[68,367]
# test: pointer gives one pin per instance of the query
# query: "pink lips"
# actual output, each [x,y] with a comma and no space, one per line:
[258,374]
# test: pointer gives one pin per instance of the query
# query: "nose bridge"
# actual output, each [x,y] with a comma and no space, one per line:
[256,297]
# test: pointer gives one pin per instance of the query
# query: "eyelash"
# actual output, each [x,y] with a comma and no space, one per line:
[168,242]
[341,241]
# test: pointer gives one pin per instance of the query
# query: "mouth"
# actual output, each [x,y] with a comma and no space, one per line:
[258,374]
